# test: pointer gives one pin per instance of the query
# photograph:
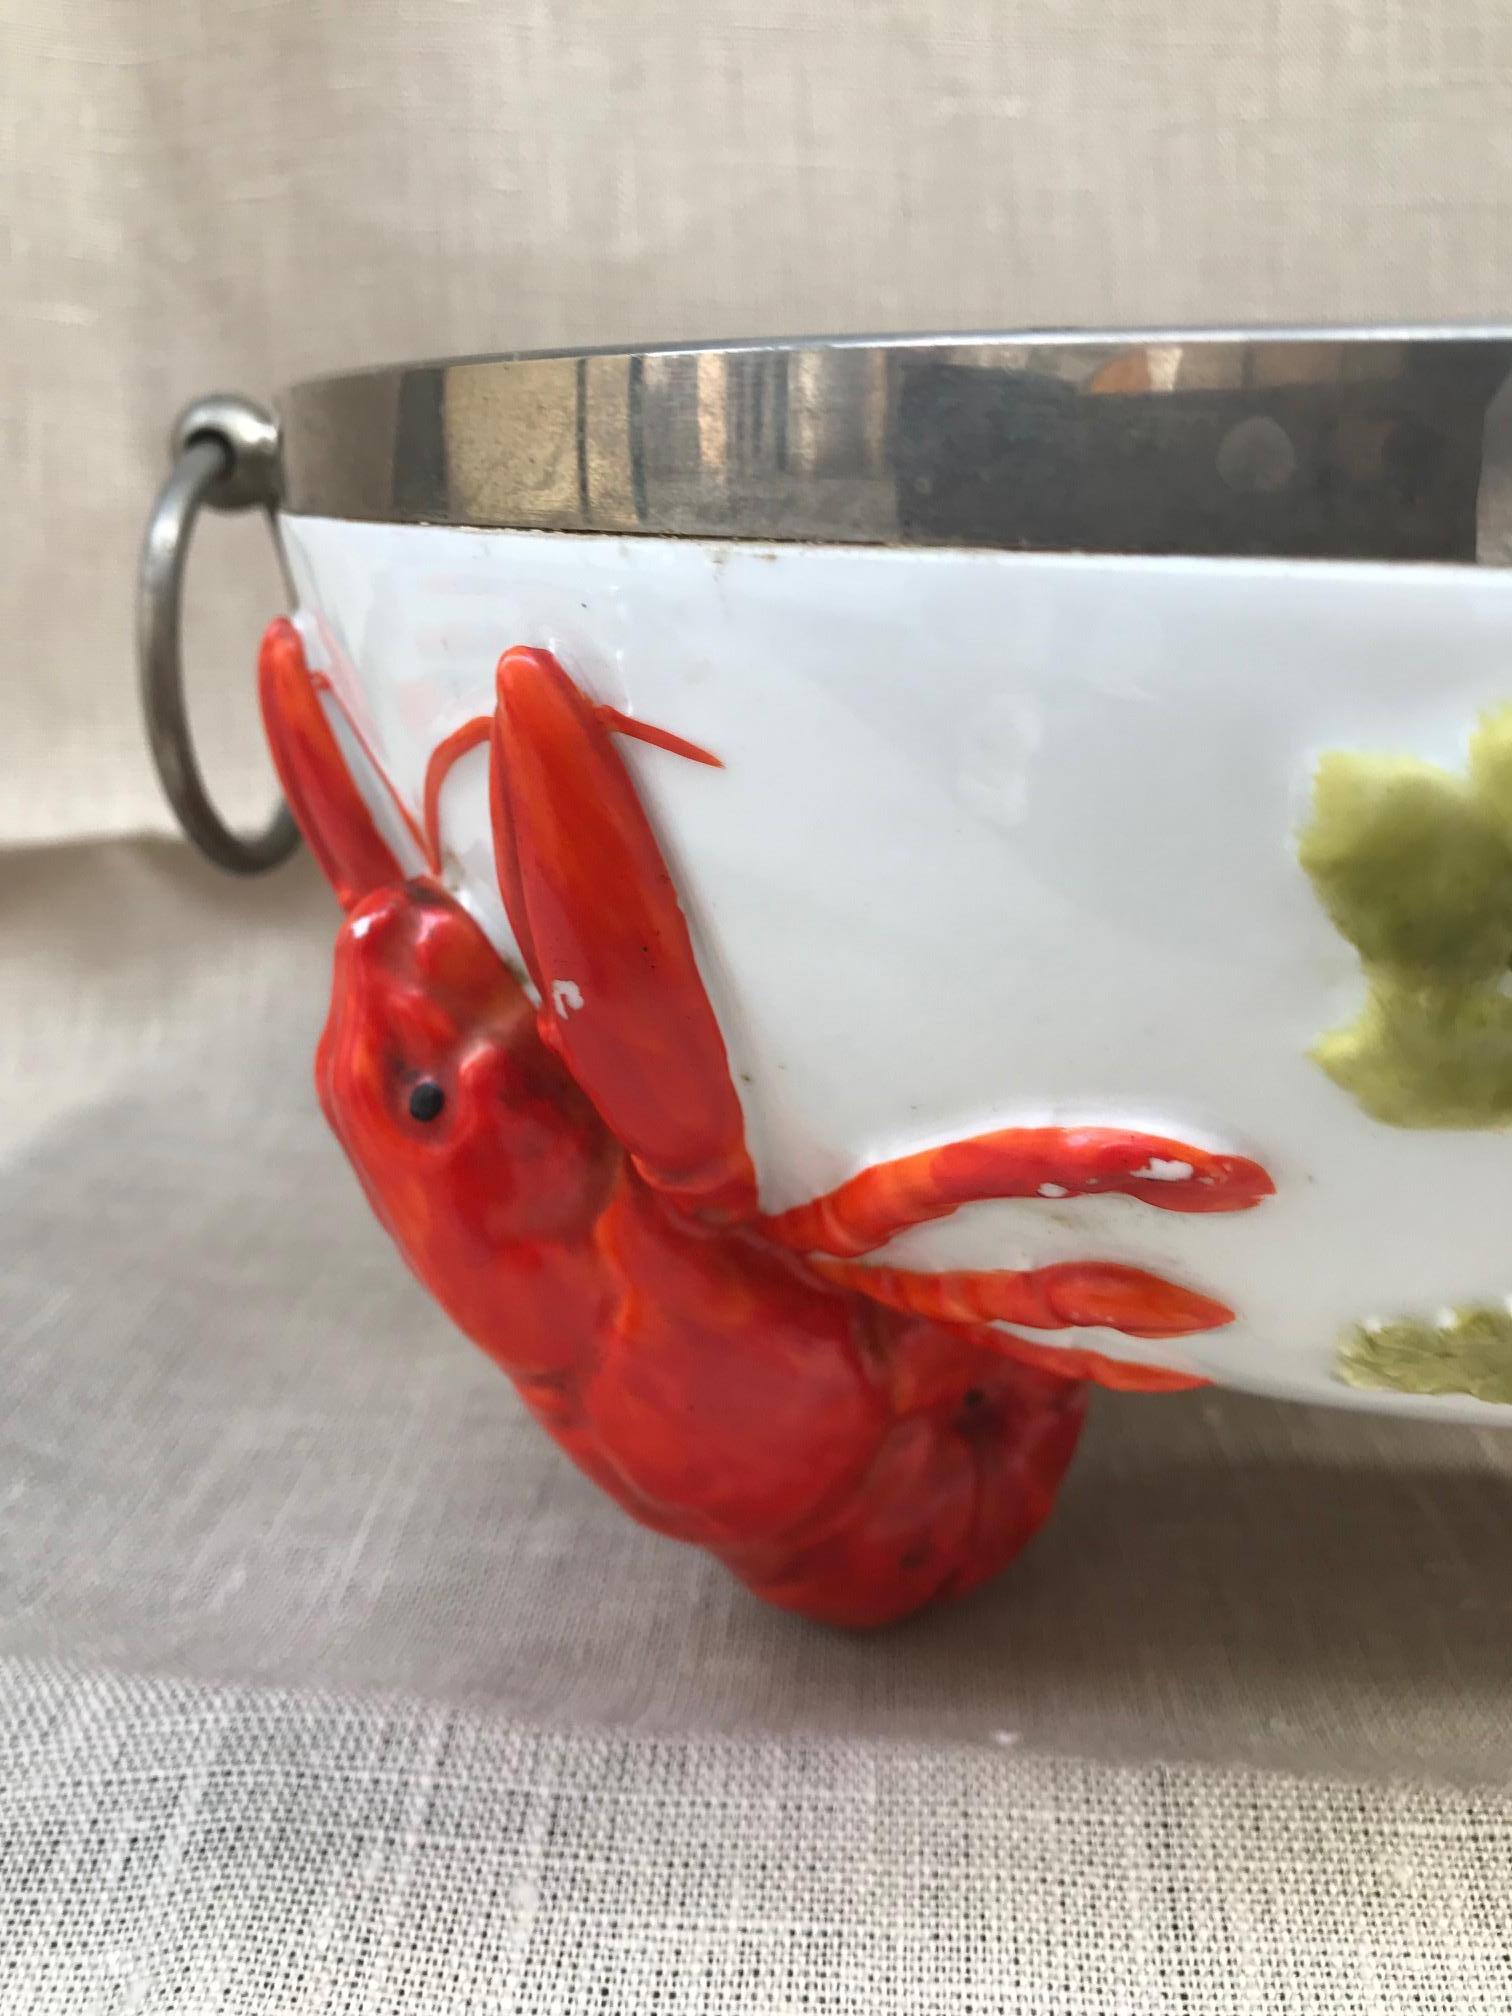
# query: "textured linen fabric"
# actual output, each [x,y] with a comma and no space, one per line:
[326,1683]
[252,1850]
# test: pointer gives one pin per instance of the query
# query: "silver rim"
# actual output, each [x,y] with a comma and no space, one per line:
[1326,444]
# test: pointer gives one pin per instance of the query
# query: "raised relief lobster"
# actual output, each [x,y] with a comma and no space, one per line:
[569,1178]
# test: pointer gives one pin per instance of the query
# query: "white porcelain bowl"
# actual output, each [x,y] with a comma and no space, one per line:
[999,839]
[1079,949]
[1111,734]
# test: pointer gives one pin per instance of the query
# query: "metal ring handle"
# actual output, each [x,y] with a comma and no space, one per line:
[226,456]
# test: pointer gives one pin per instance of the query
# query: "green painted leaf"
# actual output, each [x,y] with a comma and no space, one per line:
[1414,867]
[1471,1352]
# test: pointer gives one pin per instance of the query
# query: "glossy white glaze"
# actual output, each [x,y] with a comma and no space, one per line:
[1000,838]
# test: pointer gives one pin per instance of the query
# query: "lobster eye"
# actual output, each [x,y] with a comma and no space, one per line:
[426,1100]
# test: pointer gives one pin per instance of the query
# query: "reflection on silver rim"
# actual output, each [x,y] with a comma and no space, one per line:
[1325,444]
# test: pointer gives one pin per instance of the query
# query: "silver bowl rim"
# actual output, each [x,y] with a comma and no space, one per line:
[1388,441]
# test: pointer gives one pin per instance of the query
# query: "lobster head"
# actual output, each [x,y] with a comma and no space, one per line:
[458,1119]
[464,1129]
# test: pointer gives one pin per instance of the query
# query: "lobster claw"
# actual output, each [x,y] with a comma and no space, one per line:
[598,922]
[329,809]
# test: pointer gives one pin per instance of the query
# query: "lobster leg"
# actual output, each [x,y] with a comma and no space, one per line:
[1117,1375]
[1072,1294]
[337,826]
[1051,1162]
[597,919]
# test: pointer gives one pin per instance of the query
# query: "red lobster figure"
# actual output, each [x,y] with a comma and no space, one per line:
[571,1183]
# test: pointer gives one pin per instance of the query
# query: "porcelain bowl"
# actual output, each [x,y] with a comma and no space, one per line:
[1025,816]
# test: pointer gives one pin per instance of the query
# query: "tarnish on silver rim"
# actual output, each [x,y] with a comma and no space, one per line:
[1391,444]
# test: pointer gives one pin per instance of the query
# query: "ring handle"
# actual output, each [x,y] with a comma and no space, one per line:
[225,455]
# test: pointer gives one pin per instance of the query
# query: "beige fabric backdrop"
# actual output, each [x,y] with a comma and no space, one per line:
[197,194]
[323,1684]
